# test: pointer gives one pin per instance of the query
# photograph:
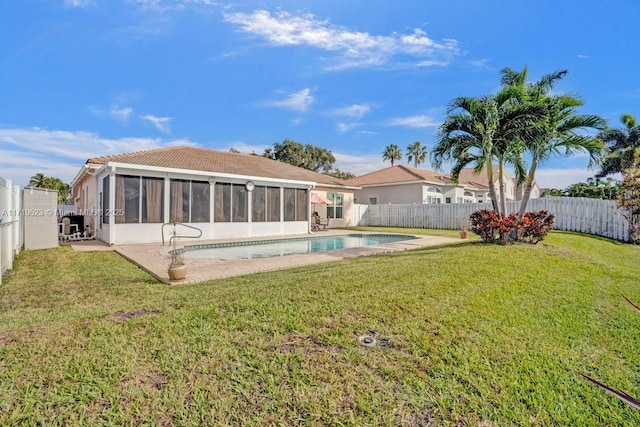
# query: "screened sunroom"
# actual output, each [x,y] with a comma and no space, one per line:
[135,198]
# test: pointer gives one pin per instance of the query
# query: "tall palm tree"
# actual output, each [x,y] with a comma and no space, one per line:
[557,128]
[479,131]
[623,144]
[559,135]
[38,180]
[392,152]
[416,152]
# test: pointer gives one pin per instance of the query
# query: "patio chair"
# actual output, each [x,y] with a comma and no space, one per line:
[320,223]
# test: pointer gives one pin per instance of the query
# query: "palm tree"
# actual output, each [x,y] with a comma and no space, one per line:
[392,152]
[479,131]
[38,180]
[623,145]
[555,128]
[416,152]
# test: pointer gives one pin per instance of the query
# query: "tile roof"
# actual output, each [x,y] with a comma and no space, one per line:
[201,159]
[403,173]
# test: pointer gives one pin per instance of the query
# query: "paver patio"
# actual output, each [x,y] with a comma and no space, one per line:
[155,258]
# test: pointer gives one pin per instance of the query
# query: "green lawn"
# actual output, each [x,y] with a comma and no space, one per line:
[469,334]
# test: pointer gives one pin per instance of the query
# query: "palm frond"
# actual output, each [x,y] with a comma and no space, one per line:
[619,394]
[633,304]
[549,81]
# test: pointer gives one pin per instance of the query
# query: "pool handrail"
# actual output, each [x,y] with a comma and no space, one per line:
[176,235]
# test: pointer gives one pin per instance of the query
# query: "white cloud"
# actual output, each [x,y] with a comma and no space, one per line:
[353,48]
[26,151]
[355,110]
[298,101]
[121,114]
[420,121]
[358,164]
[163,124]
[167,5]
[582,56]
[562,178]
[346,127]
[78,3]
[479,63]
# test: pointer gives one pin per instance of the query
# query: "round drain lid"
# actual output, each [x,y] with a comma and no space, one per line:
[367,340]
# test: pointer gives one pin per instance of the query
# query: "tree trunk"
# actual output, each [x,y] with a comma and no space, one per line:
[503,201]
[492,188]
[526,195]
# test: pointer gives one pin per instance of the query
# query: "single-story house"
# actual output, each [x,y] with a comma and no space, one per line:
[405,184]
[127,197]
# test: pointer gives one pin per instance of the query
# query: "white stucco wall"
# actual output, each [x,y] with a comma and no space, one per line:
[41,223]
[347,207]
[394,194]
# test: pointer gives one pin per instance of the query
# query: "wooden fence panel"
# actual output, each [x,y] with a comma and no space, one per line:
[591,216]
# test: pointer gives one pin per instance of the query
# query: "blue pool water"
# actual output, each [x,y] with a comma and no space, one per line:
[283,247]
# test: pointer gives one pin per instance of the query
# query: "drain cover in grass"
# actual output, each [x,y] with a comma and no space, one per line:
[367,340]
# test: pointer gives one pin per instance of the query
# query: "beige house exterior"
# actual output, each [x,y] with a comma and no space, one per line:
[405,184]
[470,175]
[126,198]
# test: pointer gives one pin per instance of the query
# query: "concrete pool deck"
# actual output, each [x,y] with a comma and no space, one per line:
[155,258]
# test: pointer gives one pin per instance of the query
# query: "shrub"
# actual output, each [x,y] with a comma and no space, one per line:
[534,226]
[495,228]
[482,224]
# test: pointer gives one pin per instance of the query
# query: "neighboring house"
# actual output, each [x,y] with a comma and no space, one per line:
[470,175]
[406,184]
[127,197]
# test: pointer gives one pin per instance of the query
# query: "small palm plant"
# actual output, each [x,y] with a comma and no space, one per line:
[177,258]
[177,269]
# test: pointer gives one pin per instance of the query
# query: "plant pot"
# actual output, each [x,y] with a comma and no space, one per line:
[463,234]
[177,273]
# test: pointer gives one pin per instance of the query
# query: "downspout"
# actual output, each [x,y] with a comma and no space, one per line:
[112,204]
[309,225]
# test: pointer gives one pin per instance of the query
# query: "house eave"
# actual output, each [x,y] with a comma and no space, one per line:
[216,175]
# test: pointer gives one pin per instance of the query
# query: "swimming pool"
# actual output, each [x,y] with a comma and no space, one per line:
[283,247]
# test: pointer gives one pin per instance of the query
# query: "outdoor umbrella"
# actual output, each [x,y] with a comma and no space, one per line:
[318,199]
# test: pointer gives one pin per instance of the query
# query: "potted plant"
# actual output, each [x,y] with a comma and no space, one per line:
[464,228]
[177,269]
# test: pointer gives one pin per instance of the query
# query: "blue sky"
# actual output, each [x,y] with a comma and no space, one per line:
[84,78]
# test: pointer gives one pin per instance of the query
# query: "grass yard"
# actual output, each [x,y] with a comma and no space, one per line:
[469,334]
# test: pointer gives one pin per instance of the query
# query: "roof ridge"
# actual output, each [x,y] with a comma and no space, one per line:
[412,172]
[102,159]
[369,173]
[201,158]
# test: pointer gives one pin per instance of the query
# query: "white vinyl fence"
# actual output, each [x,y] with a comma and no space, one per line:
[591,216]
[10,224]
